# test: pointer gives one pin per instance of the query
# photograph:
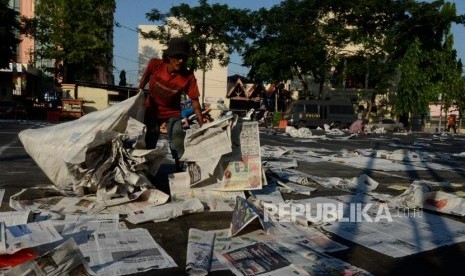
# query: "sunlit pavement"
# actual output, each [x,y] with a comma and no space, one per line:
[18,170]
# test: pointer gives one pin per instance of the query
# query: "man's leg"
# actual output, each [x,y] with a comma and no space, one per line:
[176,137]
[153,130]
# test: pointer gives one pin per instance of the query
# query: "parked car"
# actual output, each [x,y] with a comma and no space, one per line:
[12,110]
[387,124]
[337,112]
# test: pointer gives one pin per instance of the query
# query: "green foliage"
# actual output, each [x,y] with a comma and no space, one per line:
[415,90]
[292,39]
[401,44]
[9,31]
[214,31]
[277,116]
[430,70]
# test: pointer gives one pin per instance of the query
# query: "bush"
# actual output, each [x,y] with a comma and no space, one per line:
[277,116]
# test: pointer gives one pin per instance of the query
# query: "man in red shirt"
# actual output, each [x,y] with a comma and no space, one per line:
[168,78]
[451,123]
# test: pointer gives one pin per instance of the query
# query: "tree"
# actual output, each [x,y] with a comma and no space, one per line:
[430,70]
[76,34]
[415,91]
[214,31]
[373,64]
[9,30]
[294,38]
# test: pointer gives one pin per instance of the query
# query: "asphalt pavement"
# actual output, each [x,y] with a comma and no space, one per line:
[18,171]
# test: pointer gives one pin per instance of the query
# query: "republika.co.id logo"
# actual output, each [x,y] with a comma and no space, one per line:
[327,212]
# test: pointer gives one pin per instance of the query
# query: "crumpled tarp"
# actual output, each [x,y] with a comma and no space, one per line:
[96,151]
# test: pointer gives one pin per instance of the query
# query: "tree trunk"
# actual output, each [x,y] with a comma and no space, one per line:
[304,85]
[320,89]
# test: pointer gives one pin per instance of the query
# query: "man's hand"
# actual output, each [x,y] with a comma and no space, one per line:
[197,111]
[145,92]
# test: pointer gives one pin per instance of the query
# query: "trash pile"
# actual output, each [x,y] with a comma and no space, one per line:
[99,167]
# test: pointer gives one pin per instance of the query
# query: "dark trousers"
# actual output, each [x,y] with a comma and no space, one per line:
[175,134]
[451,126]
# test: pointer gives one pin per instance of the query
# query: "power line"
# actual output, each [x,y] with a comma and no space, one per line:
[119,25]
[126,59]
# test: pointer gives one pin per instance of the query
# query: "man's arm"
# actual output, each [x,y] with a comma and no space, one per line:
[145,78]
[197,110]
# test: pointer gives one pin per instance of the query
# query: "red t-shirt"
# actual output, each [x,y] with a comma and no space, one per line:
[165,89]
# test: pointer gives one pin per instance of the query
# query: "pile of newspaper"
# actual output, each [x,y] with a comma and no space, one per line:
[277,249]
[57,235]
[233,161]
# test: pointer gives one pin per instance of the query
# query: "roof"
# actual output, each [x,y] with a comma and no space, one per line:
[245,91]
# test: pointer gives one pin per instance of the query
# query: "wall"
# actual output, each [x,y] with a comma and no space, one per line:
[94,98]
[27,9]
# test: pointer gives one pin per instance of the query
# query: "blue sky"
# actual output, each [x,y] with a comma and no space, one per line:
[131,13]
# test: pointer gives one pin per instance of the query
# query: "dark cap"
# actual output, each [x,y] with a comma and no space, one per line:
[178,46]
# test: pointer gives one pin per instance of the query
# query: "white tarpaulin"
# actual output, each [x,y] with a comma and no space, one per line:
[52,146]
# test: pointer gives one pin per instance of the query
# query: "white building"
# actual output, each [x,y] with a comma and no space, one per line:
[213,90]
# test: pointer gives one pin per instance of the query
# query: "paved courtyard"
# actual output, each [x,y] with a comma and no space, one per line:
[18,171]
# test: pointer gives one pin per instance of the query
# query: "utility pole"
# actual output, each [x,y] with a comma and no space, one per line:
[440,112]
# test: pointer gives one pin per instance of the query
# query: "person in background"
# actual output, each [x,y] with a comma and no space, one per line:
[261,110]
[168,79]
[186,111]
[358,127]
[451,123]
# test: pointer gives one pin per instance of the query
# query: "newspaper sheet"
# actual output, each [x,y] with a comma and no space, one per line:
[29,235]
[445,203]
[216,201]
[312,261]
[304,259]
[70,205]
[81,226]
[243,170]
[273,151]
[215,135]
[103,218]
[292,188]
[359,184]
[295,177]
[2,194]
[36,199]
[199,251]
[124,252]
[280,164]
[304,236]
[166,211]
[15,217]
[269,193]
[224,243]
[409,232]
[66,259]
[423,195]
[259,258]
[152,196]
[243,214]
[147,198]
